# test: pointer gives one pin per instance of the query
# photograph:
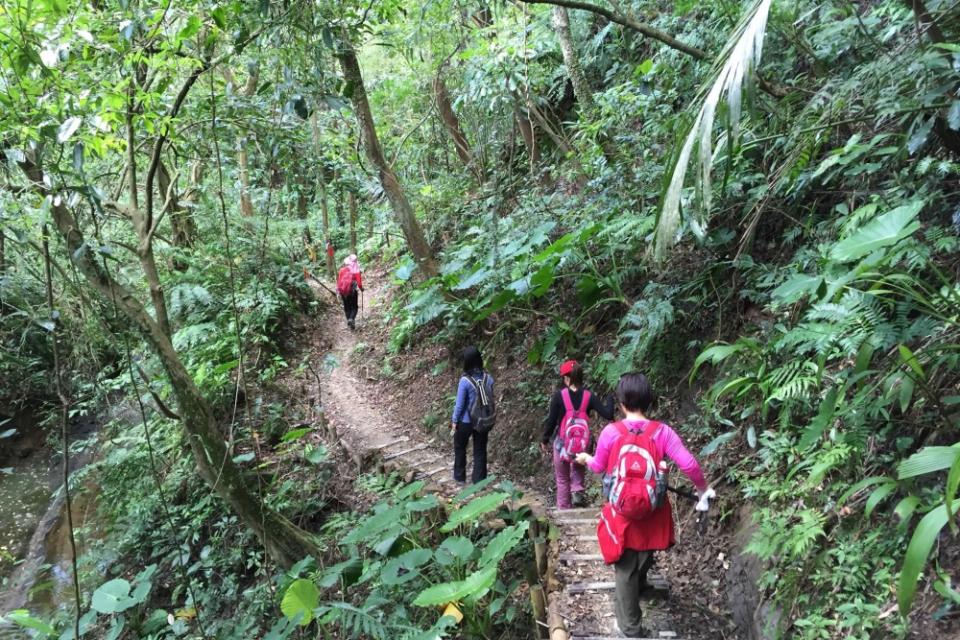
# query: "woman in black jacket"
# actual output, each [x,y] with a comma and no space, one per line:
[567,401]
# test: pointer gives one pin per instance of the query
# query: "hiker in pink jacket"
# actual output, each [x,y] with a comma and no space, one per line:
[567,432]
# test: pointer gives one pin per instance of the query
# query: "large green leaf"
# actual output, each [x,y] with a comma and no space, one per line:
[880,232]
[928,460]
[472,511]
[403,568]
[454,549]
[503,543]
[918,551]
[300,599]
[112,597]
[23,618]
[477,583]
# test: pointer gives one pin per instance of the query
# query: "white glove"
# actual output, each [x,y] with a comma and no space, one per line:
[705,497]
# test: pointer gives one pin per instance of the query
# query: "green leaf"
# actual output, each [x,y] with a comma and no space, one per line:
[426,503]
[315,454]
[301,598]
[918,551]
[860,486]
[472,511]
[503,543]
[67,128]
[715,444]
[880,232]
[877,497]
[477,583]
[909,359]
[454,549]
[219,17]
[953,116]
[295,434]
[349,570]
[470,490]
[403,568]
[23,618]
[373,526]
[905,508]
[8,434]
[244,457]
[752,437]
[821,421]
[928,460]
[112,597]
[795,288]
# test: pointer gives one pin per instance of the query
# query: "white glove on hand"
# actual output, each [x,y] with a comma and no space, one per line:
[705,498]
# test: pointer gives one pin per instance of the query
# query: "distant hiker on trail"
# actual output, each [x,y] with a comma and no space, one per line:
[349,282]
[473,415]
[636,520]
[568,426]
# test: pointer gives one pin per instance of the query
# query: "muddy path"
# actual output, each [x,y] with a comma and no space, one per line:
[365,419]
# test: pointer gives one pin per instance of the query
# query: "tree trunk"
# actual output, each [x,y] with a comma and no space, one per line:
[581,89]
[246,204]
[452,124]
[529,138]
[405,216]
[285,542]
[181,220]
[243,160]
[325,211]
[352,205]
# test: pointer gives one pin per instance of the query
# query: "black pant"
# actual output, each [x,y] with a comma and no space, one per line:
[350,305]
[460,438]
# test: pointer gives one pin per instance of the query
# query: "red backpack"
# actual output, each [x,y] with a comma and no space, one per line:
[574,436]
[345,281]
[633,471]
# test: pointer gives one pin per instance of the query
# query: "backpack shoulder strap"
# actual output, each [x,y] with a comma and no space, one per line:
[585,402]
[567,402]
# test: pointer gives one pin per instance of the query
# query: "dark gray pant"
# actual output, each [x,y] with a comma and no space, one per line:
[460,439]
[631,579]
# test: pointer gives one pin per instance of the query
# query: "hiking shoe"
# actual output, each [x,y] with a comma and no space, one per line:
[350,324]
[578,500]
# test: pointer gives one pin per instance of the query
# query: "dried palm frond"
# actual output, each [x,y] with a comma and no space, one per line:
[736,63]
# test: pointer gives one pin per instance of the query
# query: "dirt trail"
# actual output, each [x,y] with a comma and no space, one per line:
[582,596]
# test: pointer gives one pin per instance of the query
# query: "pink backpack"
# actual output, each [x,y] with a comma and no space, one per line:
[345,281]
[633,468]
[574,434]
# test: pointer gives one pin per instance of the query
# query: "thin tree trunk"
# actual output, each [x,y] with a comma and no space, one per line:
[352,205]
[452,124]
[285,542]
[181,220]
[529,138]
[325,211]
[406,218]
[581,88]
[243,159]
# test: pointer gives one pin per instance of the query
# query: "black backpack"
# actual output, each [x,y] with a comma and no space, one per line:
[483,409]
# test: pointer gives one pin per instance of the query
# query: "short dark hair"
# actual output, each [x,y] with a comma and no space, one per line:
[634,392]
[576,375]
[472,360]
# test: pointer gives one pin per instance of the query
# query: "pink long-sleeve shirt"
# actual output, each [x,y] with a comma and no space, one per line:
[656,532]
[667,440]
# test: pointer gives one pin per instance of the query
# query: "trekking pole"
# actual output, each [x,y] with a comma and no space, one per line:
[703,519]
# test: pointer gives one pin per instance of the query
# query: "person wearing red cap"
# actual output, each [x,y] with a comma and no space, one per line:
[571,398]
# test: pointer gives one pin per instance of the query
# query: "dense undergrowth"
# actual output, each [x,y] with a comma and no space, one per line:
[800,314]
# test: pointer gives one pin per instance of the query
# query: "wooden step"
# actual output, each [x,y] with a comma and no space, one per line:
[427,474]
[576,522]
[660,635]
[581,557]
[656,581]
[390,444]
[558,514]
[419,447]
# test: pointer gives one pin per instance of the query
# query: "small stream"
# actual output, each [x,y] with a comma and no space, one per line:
[35,559]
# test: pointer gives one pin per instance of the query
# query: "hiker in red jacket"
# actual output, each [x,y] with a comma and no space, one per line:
[636,520]
[349,281]
[568,427]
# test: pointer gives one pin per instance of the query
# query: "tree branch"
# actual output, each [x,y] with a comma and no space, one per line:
[626,21]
